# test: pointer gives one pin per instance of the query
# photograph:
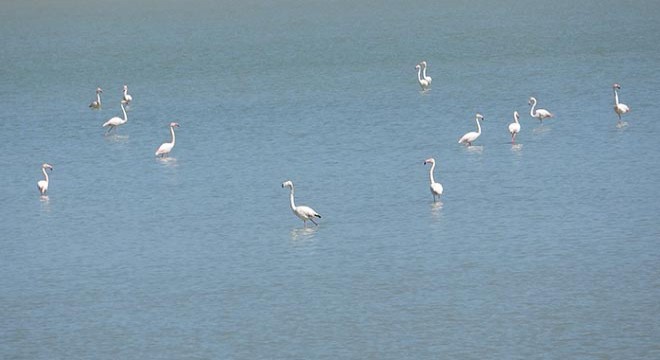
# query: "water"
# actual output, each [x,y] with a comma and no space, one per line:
[548,249]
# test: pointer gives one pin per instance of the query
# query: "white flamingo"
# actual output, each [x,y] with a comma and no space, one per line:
[165,148]
[427,78]
[539,113]
[619,108]
[303,212]
[116,121]
[470,137]
[422,82]
[514,127]
[42,185]
[436,188]
[96,104]
[126,98]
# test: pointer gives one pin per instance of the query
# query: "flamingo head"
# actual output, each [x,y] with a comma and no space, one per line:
[125,87]
[516,115]
[174,124]
[99,90]
[417,67]
[531,100]
[287,184]
[423,63]
[616,86]
[47,166]
[429,161]
[480,117]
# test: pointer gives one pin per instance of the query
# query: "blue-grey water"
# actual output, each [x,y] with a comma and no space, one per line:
[547,250]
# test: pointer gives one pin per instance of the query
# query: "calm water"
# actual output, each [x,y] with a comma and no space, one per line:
[545,251]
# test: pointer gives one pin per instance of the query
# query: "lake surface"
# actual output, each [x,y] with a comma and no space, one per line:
[545,250]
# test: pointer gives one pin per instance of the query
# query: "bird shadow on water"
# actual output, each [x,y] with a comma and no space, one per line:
[436,209]
[45,203]
[115,138]
[167,161]
[516,147]
[622,125]
[303,234]
[474,149]
[541,129]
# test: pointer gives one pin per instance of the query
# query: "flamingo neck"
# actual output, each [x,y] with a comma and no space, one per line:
[293,204]
[419,74]
[431,173]
[173,137]
[424,71]
[43,170]
[616,97]
[531,111]
[124,111]
[98,98]
[478,127]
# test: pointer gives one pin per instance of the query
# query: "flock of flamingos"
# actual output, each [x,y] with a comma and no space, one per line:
[305,212]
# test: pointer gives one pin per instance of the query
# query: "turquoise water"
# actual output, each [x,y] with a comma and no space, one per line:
[548,249]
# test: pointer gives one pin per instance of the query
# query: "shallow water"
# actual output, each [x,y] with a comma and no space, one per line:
[544,249]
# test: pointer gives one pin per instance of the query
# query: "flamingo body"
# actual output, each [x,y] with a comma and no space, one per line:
[126,98]
[436,188]
[619,108]
[470,137]
[538,113]
[514,127]
[96,104]
[427,78]
[116,121]
[165,148]
[303,212]
[423,83]
[42,185]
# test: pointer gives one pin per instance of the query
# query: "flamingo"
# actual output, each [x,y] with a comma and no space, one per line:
[96,104]
[539,113]
[42,185]
[303,212]
[470,137]
[423,83]
[427,78]
[619,108]
[116,121]
[126,98]
[514,127]
[436,188]
[165,148]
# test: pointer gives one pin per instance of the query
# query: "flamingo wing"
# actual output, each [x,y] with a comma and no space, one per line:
[164,148]
[113,122]
[621,108]
[436,188]
[43,186]
[307,212]
[469,137]
[543,113]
